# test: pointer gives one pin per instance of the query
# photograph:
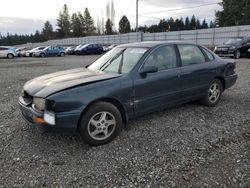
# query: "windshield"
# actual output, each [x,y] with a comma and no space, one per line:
[84,46]
[118,60]
[233,41]
[78,46]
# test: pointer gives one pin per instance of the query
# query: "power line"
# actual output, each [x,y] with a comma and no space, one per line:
[177,9]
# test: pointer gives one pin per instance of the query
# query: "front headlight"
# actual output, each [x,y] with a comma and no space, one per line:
[39,103]
[215,48]
[232,48]
[249,50]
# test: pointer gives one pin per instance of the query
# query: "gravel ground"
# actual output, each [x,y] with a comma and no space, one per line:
[186,146]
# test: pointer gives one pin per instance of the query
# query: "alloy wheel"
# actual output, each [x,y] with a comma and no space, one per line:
[101,125]
[214,92]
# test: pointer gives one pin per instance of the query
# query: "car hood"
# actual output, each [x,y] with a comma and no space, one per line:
[46,85]
[37,51]
[228,45]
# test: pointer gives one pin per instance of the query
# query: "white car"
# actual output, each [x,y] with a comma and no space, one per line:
[8,52]
[29,53]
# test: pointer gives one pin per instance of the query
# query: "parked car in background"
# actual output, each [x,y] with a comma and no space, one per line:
[50,51]
[7,52]
[234,47]
[22,53]
[107,48]
[70,50]
[19,50]
[29,53]
[89,49]
[126,82]
[78,47]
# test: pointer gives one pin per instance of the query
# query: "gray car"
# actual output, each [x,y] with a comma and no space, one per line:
[129,81]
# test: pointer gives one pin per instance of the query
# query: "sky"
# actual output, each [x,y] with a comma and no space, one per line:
[26,16]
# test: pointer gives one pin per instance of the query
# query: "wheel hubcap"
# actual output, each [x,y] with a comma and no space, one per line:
[101,125]
[214,92]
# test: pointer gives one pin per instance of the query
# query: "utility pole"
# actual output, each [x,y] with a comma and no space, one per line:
[136,16]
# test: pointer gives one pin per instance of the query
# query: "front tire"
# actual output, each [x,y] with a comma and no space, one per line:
[100,124]
[62,54]
[213,94]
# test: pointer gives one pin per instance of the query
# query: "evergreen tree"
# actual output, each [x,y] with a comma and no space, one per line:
[38,36]
[89,23]
[193,22]
[198,24]
[204,24]
[47,31]
[124,25]
[187,23]
[108,27]
[76,26]
[212,24]
[83,24]
[63,23]
[233,13]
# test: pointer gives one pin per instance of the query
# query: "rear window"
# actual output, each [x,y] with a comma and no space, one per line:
[3,48]
[209,54]
[190,54]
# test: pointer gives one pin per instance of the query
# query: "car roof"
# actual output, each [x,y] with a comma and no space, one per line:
[150,44]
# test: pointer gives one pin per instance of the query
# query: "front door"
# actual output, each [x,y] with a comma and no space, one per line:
[159,89]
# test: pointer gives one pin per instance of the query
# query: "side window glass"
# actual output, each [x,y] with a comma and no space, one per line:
[209,54]
[190,54]
[163,58]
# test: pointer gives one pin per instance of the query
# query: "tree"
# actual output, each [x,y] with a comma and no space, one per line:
[108,27]
[204,24]
[47,31]
[193,22]
[89,23]
[187,23]
[83,24]
[212,24]
[38,36]
[198,24]
[63,23]
[163,25]
[98,26]
[76,26]
[124,25]
[110,15]
[233,13]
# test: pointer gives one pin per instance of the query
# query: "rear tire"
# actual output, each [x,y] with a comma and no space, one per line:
[42,55]
[100,124]
[62,54]
[213,94]
[10,56]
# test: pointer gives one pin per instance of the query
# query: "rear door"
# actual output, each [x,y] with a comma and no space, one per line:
[196,72]
[159,89]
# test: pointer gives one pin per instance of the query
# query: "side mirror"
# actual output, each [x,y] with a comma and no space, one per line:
[151,69]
